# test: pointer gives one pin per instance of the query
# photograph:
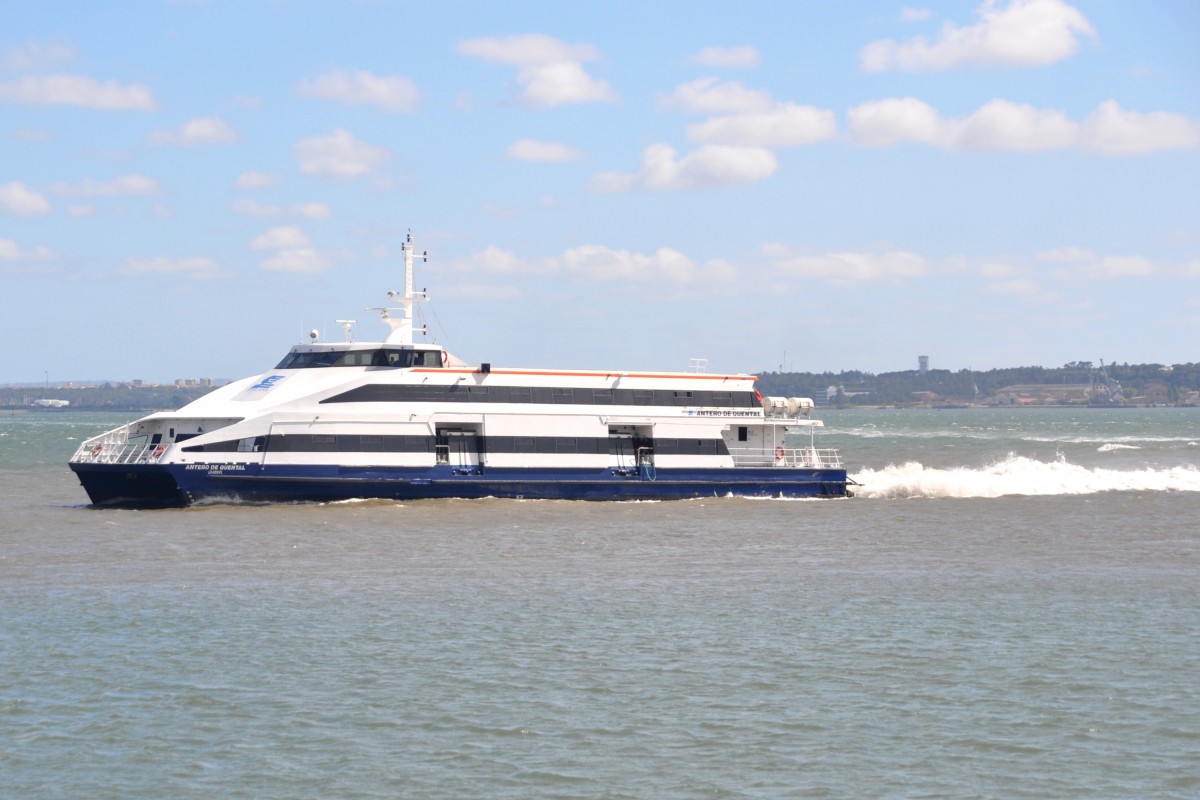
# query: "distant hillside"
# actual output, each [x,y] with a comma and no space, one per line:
[106,397]
[968,386]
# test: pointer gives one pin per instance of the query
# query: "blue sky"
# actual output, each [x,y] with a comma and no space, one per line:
[186,188]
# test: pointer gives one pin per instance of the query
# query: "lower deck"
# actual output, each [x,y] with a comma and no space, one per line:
[141,485]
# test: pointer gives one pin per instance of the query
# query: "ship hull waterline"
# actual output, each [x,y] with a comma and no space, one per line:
[175,485]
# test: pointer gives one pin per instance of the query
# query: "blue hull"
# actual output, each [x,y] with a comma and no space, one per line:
[173,485]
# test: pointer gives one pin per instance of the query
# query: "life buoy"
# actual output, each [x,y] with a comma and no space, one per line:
[97,450]
[779,454]
[158,451]
[445,359]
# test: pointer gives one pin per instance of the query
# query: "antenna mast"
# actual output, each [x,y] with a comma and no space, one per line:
[402,328]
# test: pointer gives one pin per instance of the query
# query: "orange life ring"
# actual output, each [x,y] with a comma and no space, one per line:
[158,451]
[97,450]
[779,454]
[445,359]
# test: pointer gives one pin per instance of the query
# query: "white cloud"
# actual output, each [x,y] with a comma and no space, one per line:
[743,56]
[394,93]
[81,210]
[32,135]
[294,251]
[597,262]
[283,237]
[302,260]
[36,56]
[9,251]
[998,125]
[856,267]
[785,125]
[915,14]
[1065,255]
[253,208]
[1018,286]
[527,50]
[710,166]
[550,70]
[76,90]
[256,180]
[197,267]
[19,200]
[340,155]
[1003,125]
[1023,33]
[312,210]
[714,96]
[123,186]
[562,83]
[1113,267]
[533,150]
[199,131]
[1113,131]
[882,123]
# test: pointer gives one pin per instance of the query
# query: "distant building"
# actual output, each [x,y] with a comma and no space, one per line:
[923,364]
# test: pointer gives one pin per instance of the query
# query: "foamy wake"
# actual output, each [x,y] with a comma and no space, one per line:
[1021,476]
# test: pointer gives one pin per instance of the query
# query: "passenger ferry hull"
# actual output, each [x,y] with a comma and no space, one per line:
[165,486]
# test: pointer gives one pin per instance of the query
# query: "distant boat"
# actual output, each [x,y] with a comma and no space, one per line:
[402,420]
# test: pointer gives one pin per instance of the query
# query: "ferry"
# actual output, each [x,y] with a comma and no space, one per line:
[402,419]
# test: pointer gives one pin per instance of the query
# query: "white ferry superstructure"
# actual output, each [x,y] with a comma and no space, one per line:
[406,420]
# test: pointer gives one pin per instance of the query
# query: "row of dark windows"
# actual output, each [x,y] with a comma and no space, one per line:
[387,357]
[473,393]
[355,443]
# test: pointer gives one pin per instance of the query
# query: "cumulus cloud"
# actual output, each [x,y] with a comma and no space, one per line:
[36,56]
[253,208]
[394,93]
[10,251]
[312,210]
[1021,34]
[736,57]
[1114,267]
[1112,130]
[714,96]
[527,50]
[123,186]
[1065,255]
[76,90]
[1004,125]
[534,150]
[998,125]
[199,131]
[294,251]
[785,125]
[196,268]
[340,155]
[708,167]
[281,238]
[594,262]
[256,180]
[19,200]
[550,71]
[850,267]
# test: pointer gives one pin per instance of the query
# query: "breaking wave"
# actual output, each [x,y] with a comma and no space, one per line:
[1017,475]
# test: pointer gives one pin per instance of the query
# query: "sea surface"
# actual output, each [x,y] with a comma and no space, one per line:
[1009,608]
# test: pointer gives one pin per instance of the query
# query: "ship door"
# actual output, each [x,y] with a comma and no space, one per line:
[461,448]
[629,446]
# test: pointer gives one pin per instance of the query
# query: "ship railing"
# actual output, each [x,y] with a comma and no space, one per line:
[115,448]
[790,457]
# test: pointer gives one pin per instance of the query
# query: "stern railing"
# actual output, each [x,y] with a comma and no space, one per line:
[789,457]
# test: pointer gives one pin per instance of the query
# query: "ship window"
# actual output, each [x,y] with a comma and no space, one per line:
[603,396]
[520,394]
[643,397]
[562,395]
[743,433]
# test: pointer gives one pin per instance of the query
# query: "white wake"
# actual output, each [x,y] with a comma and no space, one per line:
[1017,475]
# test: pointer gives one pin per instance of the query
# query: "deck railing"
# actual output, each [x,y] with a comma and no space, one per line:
[791,457]
[115,448]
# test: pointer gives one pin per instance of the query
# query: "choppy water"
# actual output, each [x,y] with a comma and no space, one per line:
[1010,609]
